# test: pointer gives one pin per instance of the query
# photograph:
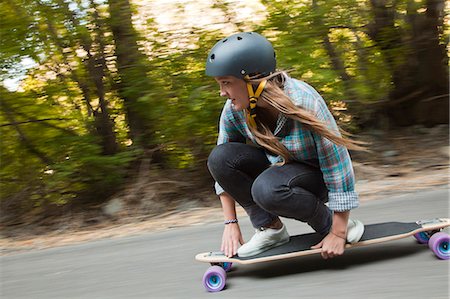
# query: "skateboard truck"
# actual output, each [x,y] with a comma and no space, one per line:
[216,253]
[430,221]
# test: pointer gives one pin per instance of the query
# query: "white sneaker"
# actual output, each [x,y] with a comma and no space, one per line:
[355,230]
[264,239]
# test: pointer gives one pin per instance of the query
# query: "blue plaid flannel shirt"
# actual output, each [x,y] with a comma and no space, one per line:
[334,160]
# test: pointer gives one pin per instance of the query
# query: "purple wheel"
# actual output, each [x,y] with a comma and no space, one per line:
[439,244]
[214,279]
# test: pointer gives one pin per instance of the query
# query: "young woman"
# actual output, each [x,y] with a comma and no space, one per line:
[279,152]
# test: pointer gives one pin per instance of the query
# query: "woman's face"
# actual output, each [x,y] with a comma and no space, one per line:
[234,89]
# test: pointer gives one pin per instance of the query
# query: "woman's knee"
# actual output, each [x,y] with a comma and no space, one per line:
[218,156]
[271,193]
[236,155]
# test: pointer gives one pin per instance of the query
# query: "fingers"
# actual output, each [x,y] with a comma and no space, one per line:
[328,253]
[325,253]
[332,246]
[230,248]
[227,248]
[231,243]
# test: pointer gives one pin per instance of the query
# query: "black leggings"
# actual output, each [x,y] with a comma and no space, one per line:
[294,190]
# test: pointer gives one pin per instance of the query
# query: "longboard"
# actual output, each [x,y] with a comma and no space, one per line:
[425,231]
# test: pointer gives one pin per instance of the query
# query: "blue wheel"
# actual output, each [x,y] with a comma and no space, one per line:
[422,237]
[225,265]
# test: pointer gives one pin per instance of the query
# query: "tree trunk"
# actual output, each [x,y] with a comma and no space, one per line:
[104,127]
[431,71]
[97,67]
[132,70]
[336,61]
[103,122]
[420,76]
[339,68]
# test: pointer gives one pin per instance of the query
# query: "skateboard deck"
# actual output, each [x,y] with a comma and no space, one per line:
[425,231]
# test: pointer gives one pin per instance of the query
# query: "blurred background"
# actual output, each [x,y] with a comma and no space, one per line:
[106,114]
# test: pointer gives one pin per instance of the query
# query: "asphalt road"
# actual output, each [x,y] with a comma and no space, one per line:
[162,265]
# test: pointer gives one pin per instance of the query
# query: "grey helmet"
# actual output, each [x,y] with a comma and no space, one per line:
[241,54]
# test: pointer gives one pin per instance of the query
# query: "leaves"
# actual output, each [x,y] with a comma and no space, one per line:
[105,83]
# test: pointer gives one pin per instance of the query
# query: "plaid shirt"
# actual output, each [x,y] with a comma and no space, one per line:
[303,144]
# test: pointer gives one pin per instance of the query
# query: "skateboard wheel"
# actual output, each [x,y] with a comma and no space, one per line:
[439,244]
[214,279]
[424,237]
[225,265]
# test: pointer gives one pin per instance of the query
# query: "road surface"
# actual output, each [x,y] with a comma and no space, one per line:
[161,265]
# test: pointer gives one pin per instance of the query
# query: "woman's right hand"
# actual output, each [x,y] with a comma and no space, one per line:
[231,239]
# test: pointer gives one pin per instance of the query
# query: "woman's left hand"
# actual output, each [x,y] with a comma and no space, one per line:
[331,245]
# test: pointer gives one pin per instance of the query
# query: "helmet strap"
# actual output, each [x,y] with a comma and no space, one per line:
[253,98]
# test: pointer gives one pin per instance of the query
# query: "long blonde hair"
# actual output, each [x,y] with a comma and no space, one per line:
[274,95]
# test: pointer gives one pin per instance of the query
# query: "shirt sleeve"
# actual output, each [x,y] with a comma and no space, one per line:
[335,164]
[228,132]
[229,126]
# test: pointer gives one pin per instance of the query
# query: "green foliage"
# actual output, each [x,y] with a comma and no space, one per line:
[17,38]
[301,48]
[75,164]
[85,171]
[152,86]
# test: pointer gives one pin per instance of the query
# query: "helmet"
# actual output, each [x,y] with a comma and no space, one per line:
[240,55]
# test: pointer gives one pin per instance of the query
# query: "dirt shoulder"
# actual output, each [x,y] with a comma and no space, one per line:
[411,160]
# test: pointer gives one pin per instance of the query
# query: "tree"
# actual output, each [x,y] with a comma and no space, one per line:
[103,93]
[133,73]
[94,61]
[59,138]
[389,57]
[420,74]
